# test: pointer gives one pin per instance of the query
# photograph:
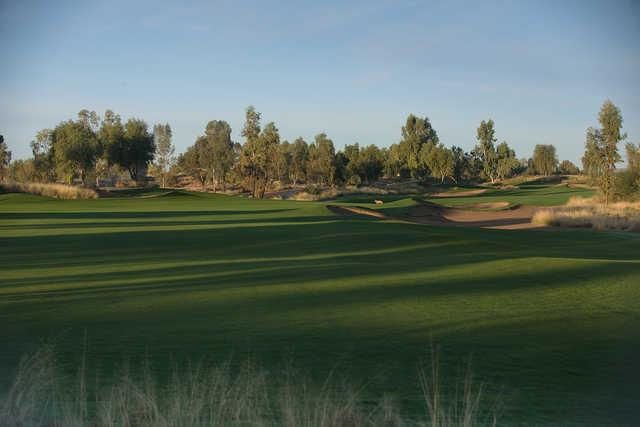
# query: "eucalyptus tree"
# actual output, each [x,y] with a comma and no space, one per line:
[248,163]
[165,150]
[568,168]
[299,160]
[322,153]
[218,152]
[485,150]
[284,162]
[440,161]
[545,160]
[192,163]
[601,149]
[416,133]
[137,149]
[266,152]
[507,162]
[5,159]
[43,158]
[75,149]
[633,156]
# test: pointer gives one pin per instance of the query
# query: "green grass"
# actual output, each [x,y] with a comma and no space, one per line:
[551,319]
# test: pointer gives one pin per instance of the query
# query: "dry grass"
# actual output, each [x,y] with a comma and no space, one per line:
[216,395]
[59,191]
[590,213]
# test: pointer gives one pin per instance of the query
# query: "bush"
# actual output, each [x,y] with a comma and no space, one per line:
[58,191]
[355,180]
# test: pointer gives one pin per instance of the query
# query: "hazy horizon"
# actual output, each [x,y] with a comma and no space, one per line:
[353,70]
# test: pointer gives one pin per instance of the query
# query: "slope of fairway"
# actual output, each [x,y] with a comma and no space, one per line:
[551,319]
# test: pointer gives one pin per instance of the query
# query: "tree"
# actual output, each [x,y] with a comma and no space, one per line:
[43,158]
[350,163]
[191,163]
[394,163]
[21,170]
[164,150]
[299,159]
[90,119]
[283,162]
[507,163]
[440,162]
[371,163]
[5,159]
[416,133]
[76,148]
[249,155]
[136,150]
[601,149]
[568,168]
[485,150]
[321,168]
[460,164]
[265,153]
[545,161]
[633,156]
[222,156]
[592,158]
[361,164]
[111,137]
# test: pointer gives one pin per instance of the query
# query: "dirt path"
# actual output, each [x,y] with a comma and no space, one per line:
[515,218]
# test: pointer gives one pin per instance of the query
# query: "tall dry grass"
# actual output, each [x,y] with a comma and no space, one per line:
[59,191]
[218,395]
[590,213]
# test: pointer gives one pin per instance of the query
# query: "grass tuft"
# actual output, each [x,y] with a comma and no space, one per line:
[216,395]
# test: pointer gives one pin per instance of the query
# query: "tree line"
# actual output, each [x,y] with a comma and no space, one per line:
[89,148]
[215,160]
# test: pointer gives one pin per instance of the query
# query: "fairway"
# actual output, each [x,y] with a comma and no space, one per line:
[550,319]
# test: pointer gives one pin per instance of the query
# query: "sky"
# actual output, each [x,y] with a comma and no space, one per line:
[352,69]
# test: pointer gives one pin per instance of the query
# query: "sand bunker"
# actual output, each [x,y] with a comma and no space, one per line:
[518,217]
[490,205]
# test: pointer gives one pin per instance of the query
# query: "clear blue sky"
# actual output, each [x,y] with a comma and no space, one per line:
[354,70]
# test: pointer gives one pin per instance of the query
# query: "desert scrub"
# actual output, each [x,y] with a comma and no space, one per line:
[590,213]
[59,191]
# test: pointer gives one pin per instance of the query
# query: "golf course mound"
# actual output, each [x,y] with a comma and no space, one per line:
[465,193]
[350,210]
[483,215]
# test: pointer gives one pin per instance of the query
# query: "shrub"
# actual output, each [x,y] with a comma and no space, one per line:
[354,180]
[59,191]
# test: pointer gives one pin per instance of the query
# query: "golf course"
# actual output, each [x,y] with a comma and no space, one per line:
[548,320]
